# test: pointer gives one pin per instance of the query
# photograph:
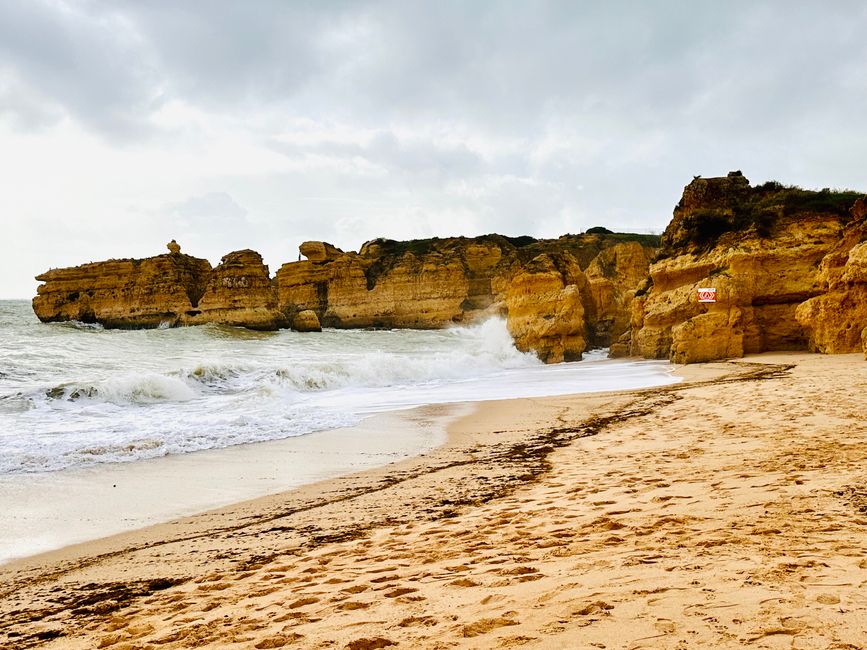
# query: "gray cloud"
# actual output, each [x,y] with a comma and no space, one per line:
[407,118]
[508,67]
[487,61]
[87,61]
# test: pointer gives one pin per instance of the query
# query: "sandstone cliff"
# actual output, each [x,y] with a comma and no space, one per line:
[239,292]
[836,320]
[558,296]
[166,290]
[761,249]
[546,314]
[124,293]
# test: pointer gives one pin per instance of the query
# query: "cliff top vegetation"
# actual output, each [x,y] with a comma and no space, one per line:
[712,207]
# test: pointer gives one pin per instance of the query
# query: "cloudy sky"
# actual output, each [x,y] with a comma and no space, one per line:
[261,124]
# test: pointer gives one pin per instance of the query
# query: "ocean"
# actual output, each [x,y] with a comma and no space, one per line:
[105,431]
[74,395]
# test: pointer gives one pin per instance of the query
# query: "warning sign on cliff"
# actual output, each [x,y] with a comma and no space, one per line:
[706,294]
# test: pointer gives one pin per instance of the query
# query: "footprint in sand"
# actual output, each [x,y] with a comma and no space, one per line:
[485,625]
[369,644]
[302,602]
[352,605]
[464,582]
[277,641]
[411,621]
[400,591]
[595,607]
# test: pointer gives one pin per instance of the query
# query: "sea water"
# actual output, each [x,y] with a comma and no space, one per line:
[106,431]
[74,395]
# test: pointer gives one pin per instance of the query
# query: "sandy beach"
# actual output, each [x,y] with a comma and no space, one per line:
[725,511]
[108,499]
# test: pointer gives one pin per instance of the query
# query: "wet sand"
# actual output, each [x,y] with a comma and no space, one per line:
[79,505]
[726,512]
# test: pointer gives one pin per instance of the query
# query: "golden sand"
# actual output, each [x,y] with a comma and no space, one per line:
[726,512]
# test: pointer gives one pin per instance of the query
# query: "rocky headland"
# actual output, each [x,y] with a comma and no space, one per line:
[558,296]
[789,268]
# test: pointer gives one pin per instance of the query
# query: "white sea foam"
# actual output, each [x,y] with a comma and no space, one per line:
[129,388]
[74,396]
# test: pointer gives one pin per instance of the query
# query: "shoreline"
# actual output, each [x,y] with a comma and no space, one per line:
[116,498]
[106,499]
[502,450]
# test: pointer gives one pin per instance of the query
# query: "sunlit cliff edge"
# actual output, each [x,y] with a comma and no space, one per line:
[789,267]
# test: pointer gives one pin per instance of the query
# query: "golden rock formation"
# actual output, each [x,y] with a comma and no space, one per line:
[318,251]
[760,248]
[123,293]
[306,321]
[238,292]
[558,296]
[421,292]
[545,308]
[836,320]
[433,283]
[614,275]
[789,268]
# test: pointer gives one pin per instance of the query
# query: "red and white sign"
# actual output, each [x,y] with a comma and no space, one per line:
[706,294]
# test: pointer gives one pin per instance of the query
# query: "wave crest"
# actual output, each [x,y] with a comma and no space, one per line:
[144,388]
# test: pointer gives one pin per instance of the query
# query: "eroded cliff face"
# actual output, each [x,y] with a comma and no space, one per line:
[124,293]
[836,320]
[239,292]
[420,285]
[761,248]
[166,290]
[545,307]
[558,296]
[613,278]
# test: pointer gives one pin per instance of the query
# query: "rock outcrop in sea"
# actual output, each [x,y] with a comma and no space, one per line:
[163,291]
[239,292]
[558,296]
[124,293]
[788,267]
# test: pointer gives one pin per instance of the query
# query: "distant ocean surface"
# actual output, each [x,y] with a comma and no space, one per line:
[72,395]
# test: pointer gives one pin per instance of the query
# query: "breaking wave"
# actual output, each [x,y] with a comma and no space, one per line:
[480,349]
[74,395]
[145,388]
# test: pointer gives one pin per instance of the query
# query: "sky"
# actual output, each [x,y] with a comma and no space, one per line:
[229,125]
